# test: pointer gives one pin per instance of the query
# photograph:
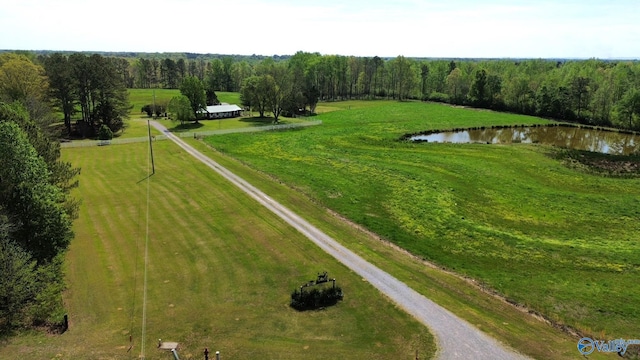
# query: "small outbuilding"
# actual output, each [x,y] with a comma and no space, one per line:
[221,111]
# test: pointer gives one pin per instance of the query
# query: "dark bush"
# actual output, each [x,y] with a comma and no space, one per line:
[105,133]
[314,298]
[160,110]
[439,97]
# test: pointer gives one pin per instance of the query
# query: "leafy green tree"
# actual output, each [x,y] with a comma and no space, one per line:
[424,76]
[21,79]
[254,94]
[580,92]
[479,88]
[62,174]
[141,69]
[112,107]
[18,281]
[193,89]
[181,70]
[62,86]
[240,71]
[518,95]
[123,69]
[270,90]
[303,74]
[215,75]
[494,87]
[180,109]
[602,98]
[227,78]
[457,86]
[101,94]
[277,87]
[210,91]
[403,75]
[169,73]
[41,225]
[452,66]
[378,70]
[627,110]
[311,95]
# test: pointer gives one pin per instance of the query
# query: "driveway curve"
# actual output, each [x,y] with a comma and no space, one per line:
[455,338]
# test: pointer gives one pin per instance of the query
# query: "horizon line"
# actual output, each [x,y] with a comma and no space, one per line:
[330,54]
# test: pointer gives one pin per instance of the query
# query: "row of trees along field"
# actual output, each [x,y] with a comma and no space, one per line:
[590,91]
[91,85]
[36,211]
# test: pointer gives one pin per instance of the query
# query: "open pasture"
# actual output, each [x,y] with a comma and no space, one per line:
[137,123]
[220,273]
[141,97]
[556,240]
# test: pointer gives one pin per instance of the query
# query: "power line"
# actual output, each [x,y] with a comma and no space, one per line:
[146,260]
[135,283]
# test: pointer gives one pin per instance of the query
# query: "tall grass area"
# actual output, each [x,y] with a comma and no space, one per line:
[558,241]
[220,273]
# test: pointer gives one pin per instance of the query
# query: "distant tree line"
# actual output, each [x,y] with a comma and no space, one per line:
[589,91]
[36,211]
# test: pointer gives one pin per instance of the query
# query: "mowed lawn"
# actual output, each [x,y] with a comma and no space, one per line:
[220,273]
[136,125]
[556,240]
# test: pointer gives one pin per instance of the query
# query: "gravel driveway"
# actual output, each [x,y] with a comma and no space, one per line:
[455,338]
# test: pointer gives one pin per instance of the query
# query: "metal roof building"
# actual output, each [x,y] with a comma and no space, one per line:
[222,111]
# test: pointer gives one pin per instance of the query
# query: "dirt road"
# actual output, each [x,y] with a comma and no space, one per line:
[456,339]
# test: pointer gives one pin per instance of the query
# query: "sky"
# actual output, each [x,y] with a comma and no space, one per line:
[604,29]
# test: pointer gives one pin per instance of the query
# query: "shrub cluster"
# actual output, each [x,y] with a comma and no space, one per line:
[105,133]
[314,298]
[154,109]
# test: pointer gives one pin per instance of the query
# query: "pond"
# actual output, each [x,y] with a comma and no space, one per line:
[579,138]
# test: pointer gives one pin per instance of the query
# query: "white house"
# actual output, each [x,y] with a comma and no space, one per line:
[221,111]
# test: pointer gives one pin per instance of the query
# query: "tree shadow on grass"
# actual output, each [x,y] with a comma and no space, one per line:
[187,126]
[258,121]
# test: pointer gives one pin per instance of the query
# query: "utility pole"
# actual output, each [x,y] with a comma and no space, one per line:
[153,166]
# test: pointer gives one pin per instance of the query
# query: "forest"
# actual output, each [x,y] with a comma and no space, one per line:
[597,92]
[36,208]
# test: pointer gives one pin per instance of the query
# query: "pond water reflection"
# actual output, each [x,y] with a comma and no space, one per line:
[589,139]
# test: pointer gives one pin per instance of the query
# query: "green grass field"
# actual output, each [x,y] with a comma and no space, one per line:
[221,269]
[141,97]
[558,241]
[220,273]
[137,123]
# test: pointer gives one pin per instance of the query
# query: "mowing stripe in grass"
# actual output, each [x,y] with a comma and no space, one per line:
[457,339]
[221,271]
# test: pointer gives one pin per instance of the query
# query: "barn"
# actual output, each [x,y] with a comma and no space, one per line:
[222,111]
